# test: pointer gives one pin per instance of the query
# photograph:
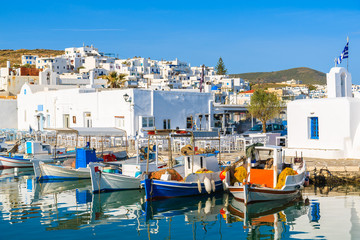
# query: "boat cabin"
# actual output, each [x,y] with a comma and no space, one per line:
[35,148]
[136,169]
[266,166]
[194,163]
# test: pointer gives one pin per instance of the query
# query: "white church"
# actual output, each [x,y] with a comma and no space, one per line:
[327,128]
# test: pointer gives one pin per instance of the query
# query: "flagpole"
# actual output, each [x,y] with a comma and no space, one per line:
[347,60]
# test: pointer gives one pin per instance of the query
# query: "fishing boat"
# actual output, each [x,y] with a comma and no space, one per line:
[75,168]
[127,174]
[34,150]
[265,176]
[107,177]
[199,173]
[52,171]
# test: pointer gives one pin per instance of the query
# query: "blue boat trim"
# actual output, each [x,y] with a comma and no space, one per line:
[113,190]
[57,177]
[157,189]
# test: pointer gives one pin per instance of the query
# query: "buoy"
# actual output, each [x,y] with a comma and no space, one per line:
[199,185]
[223,174]
[225,187]
[213,185]
[207,184]
[207,208]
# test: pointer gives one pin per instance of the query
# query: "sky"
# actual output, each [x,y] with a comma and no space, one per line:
[250,36]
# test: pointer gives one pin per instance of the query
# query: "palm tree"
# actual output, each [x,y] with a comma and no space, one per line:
[116,80]
[112,80]
[122,79]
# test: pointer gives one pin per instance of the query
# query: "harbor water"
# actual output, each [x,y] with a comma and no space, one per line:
[68,210]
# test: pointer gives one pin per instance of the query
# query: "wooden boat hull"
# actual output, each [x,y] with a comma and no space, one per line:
[21,162]
[14,162]
[249,194]
[159,189]
[106,182]
[53,172]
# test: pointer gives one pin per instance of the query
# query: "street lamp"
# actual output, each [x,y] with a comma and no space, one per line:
[127,97]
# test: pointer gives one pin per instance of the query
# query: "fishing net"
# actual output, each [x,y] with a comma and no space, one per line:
[187,150]
[240,175]
[174,174]
[282,177]
[203,170]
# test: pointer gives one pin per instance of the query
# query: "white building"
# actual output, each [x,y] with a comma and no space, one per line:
[329,127]
[28,59]
[58,64]
[133,110]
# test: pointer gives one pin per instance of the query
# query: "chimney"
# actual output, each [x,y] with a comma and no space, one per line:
[7,64]
[92,81]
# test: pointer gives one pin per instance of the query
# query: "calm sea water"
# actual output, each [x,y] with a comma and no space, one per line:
[68,210]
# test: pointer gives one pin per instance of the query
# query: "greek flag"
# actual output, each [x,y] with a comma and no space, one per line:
[344,54]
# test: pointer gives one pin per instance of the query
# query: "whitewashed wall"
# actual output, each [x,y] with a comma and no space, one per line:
[106,104]
[8,113]
[339,121]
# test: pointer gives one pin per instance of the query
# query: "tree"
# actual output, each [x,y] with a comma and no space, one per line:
[311,87]
[220,67]
[27,65]
[264,106]
[115,80]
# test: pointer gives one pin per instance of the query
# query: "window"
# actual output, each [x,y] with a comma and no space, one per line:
[48,121]
[314,128]
[144,122]
[151,121]
[119,121]
[189,122]
[147,122]
[276,127]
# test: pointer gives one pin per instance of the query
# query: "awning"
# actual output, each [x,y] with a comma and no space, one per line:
[92,132]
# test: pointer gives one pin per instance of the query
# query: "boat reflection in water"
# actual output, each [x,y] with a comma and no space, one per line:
[116,206]
[78,208]
[9,173]
[196,208]
[202,212]
[67,205]
[277,214]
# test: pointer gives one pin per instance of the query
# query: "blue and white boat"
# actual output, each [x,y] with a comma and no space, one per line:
[195,180]
[66,172]
[79,170]
[33,150]
[125,175]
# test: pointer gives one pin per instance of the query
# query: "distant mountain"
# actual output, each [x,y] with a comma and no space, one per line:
[15,55]
[306,75]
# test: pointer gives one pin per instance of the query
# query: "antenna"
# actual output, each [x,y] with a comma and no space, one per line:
[202,77]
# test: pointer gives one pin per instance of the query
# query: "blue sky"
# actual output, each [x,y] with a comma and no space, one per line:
[250,36]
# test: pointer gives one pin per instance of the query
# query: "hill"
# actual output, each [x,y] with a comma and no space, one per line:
[306,75]
[15,55]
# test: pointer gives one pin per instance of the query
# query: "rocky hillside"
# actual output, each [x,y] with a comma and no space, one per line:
[15,55]
[306,75]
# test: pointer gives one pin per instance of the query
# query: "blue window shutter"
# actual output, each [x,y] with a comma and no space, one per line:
[314,128]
